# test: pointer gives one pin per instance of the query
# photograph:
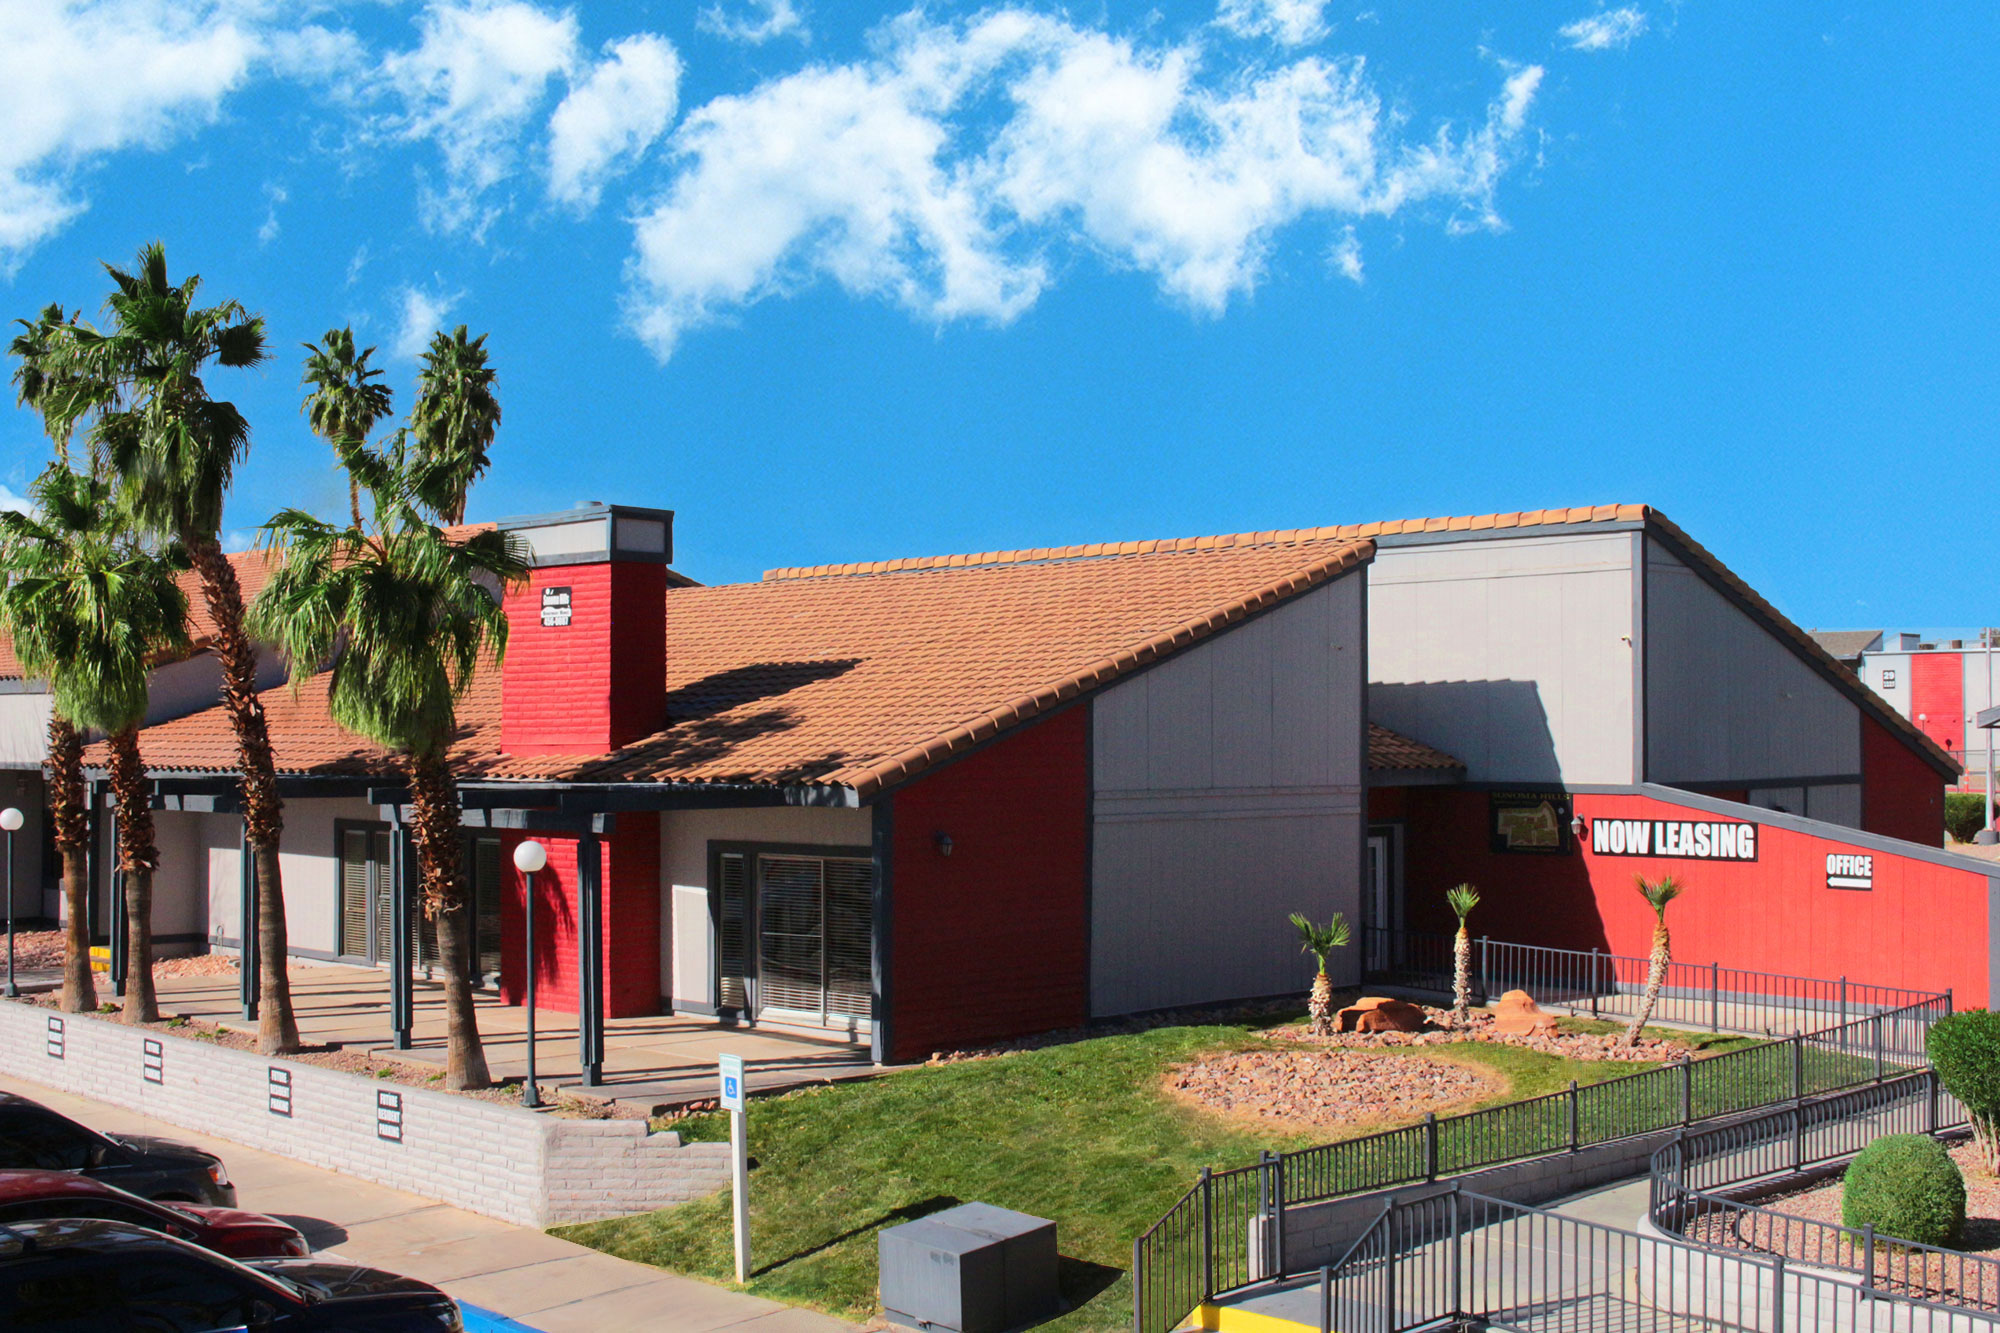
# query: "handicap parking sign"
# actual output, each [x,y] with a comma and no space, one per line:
[732,1082]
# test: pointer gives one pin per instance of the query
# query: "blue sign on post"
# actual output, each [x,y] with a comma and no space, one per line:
[732,1082]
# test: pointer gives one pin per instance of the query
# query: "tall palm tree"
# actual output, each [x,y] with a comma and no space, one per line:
[138,383]
[1657,896]
[1461,899]
[406,617]
[346,401]
[456,416]
[91,611]
[1319,941]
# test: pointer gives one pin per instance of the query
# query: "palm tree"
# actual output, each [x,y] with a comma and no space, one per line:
[456,416]
[1461,900]
[1319,941]
[1657,897]
[345,402]
[90,611]
[405,616]
[174,451]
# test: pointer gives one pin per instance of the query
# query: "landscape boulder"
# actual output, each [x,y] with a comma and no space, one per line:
[1380,1013]
[1518,1015]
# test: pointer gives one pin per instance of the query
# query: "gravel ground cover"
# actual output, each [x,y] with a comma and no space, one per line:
[1332,1090]
[1572,1040]
[1937,1277]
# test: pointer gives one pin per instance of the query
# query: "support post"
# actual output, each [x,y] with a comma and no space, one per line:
[1798,1137]
[1715,997]
[1931,1100]
[1868,1257]
[1485,974]
[531,1092]
[1778,1294]
[402,870]
[1430,1145]
[1278,1213]
[247,991]
[1575,1120]
[1457,1256]
[13,991]
[739,1188]
[117,940]
[1207,1234]
[590,960]
[1798,1066]
[92,909]
[1595,983]
[1325,1300]
[1878,1047]
[1687,1092]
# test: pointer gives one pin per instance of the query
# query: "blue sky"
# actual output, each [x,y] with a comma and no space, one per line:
[843,282]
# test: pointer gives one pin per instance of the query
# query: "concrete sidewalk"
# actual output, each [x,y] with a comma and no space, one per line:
[547,1284]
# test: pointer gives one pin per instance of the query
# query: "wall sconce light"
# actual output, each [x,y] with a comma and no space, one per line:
[943,841]
[1577,828]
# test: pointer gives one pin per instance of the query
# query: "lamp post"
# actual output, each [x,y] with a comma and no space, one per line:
[10,820]
[529,858]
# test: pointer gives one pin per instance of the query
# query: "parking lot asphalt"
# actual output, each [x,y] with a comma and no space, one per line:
[498,1271]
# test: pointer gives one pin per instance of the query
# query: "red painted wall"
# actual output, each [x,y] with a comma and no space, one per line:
[1922,926]
[1937,696]
[1901,795]
[992,942]
[630,926]
[597,683]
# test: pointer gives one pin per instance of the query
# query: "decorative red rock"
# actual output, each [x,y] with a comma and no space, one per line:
[1518,1015]
[1380,1013]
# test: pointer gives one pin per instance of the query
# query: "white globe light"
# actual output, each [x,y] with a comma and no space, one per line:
[530,857]
[10,819]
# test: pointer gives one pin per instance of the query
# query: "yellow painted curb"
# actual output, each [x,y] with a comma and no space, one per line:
[1230,1319]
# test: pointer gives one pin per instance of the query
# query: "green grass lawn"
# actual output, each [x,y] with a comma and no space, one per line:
[1080,1133]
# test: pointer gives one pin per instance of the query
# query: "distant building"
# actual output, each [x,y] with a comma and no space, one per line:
[1940,685]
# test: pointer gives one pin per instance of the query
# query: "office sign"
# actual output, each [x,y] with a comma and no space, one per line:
[1532,821]
[732,1082]
[1675,839]
[555,608]
[1849,870]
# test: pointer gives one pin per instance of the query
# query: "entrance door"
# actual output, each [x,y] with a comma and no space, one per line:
[367,901]
[1381,893]
[795,937]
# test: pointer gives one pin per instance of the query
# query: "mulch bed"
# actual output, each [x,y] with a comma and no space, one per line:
[1330,1089]
[1901,1270]
[1479,1027]
[43,949]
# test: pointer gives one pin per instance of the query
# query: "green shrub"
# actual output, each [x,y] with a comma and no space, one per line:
[1964,1048]
[1906,1186]
[1964,814]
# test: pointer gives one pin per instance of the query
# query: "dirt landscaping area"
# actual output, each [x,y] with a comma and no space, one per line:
[1572,1039]
[1332,1090]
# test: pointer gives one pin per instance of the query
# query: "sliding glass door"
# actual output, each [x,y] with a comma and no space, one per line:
[795,936]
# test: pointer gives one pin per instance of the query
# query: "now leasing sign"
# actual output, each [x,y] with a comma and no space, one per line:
[1687,839]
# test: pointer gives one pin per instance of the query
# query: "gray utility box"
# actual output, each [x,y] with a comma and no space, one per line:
[970,1269]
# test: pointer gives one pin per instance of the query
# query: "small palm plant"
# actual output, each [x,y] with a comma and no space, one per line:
[1657,896]
[1462,899]
[1319,941]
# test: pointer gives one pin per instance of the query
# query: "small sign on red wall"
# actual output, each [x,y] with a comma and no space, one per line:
[555,608]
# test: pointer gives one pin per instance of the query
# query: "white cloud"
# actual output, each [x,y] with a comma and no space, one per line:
[887,177]
[763,20]
[1345,256]
[275,196]
[81,78]
[421,314]
[476,78]
[1289,22]
[1613,29]
[608,121]
[10,499]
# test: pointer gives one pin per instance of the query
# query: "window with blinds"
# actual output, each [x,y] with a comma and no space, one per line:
[732,960]
[367,901]
[815,934]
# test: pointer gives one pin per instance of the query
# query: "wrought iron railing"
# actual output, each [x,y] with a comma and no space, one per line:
[1460,1259]
[1228,1230]
[1787,1143]
[1594,984]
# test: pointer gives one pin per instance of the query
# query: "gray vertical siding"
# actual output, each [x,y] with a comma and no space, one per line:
[1515,655]
[1228,794]
[1727,701]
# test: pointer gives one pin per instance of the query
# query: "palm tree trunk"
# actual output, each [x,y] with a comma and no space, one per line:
[1320,1005]
[137,857]
[1461,974]
[1656,977]
[70,822]
[263,813]
[434,830]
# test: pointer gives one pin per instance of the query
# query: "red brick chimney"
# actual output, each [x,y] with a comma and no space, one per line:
[587,635]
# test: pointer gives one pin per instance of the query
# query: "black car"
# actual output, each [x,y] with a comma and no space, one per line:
[34,1138]
[77,1275]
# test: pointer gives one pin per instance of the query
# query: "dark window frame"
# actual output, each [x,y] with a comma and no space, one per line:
[750,851]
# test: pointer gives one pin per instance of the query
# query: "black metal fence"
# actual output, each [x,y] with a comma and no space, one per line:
[1793,1140]
[1594,984]
[1461,1259]
[1203,1245]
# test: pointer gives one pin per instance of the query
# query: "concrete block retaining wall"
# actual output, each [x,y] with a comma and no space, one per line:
[521,1166]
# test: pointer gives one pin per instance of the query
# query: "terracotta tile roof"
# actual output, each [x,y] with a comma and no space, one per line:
[856,682]
[1655,521]
[1278,537]
[1392,750]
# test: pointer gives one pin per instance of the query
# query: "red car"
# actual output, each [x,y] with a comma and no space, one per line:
[27,1196]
